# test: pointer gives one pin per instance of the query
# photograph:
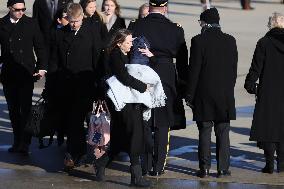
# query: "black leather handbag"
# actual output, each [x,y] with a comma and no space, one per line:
[33,126]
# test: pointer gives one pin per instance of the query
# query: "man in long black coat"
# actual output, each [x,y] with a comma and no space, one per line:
[211,80]
[165,46]
[74,57]
[44,11]
[19,38]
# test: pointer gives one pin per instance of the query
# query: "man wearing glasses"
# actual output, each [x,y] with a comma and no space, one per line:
[210,90]
[74,55]
[20,37]
[45,11]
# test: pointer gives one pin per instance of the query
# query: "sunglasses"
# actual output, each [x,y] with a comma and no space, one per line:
[18,10]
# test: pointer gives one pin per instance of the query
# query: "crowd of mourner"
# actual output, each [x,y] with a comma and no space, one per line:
[128,85]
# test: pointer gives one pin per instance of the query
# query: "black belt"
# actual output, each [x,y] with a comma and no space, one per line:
[164,60]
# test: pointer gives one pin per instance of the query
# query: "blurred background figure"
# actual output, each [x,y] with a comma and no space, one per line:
[114,22]
[143,10]
[267,67]
[246,5]
[206,4]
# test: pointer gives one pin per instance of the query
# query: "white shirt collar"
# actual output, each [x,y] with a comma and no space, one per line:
[13,21]
[76,31]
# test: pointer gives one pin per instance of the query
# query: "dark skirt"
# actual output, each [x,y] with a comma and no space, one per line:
[127,133]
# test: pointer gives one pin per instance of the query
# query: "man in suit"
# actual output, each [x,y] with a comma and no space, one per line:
[165,46]
[44,11]
[210,90]
[73,59]
[20,36]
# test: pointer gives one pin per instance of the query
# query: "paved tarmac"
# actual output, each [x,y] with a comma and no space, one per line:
[43,168]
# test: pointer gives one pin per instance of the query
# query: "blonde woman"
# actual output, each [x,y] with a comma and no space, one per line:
[90,10]
[268,120]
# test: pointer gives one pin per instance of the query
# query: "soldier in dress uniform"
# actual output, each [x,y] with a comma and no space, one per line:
[20,37]
[165,46]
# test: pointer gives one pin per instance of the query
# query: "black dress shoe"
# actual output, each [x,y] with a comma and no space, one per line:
[156,173]
[23,149]
[68,162]
[267,169]
[223,173]
[13,149]
[202,173]
[145,173]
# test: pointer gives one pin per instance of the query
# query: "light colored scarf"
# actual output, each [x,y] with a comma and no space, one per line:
[111,21]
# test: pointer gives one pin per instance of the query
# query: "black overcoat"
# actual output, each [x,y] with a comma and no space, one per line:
[212,75]
[267,66]
[118,24]
[167,42]
[126,125]
[42,14]
[18,44]
[101,27]
[45,21]
[74,59]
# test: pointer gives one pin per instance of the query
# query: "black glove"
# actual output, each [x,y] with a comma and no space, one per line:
[252,89]
[189,101]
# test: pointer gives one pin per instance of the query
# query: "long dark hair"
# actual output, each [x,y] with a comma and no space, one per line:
[118,37]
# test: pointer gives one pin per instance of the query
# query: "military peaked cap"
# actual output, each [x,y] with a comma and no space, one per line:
[158,3]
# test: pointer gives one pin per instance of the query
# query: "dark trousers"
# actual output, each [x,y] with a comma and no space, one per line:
[269,150]
[204,1]
[156,158]
[147,157]
[19,101]
[75,113]
[245,4]
[222,144]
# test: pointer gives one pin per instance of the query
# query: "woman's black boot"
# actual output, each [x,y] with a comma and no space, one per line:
[100,166]
[269,159]
[136,177]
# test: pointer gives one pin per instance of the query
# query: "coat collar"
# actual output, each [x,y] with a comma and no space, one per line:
[8,26]
[156,16]
[276,35]
[69,35]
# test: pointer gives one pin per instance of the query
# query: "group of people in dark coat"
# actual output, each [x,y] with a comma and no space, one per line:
[83,45]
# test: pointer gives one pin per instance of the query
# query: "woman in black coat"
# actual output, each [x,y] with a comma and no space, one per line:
[114,22]
[268,120]
[127,124]
[90,10]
